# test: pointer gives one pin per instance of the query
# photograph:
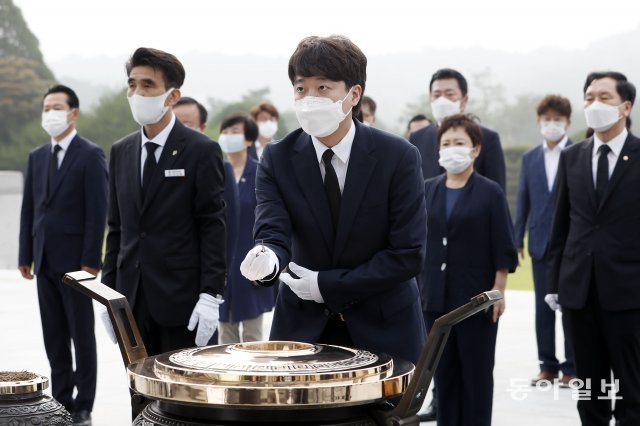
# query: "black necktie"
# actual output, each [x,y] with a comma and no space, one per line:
[149,165]
[332,187]
[53,167]
[602,175]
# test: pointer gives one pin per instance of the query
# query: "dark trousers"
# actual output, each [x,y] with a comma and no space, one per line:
[427,325]
[336,333]
[158,338]
[67,316]
[546,327]
[464,376]
[604,341]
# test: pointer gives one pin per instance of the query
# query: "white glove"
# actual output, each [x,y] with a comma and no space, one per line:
[260,263]
[305,286]
[106,321]
[552,301]
[205,315]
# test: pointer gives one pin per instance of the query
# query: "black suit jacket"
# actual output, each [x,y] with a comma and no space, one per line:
[173,242]
[588,239]
[490,162]
[465,250]
[66,226]
[367,268]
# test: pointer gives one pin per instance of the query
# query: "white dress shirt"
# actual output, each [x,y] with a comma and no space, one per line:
[64,144]
[552,159]
[341,154]
[160,139]
[616,146]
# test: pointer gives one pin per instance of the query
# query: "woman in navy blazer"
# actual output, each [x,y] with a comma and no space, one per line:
[244,303]
[470,249]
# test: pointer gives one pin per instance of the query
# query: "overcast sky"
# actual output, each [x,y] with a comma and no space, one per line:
[117,27]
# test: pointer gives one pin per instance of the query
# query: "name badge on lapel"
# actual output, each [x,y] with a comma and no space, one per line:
[174,173]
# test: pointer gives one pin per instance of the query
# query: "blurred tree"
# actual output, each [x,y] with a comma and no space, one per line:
[18,41]
[13,155]
[109,121]
[21,90]
[24,78]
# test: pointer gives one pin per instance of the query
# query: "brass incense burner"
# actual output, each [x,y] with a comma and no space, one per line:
[272,382]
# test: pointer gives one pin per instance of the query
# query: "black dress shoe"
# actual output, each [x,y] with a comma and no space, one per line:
[81,418]
[431,415]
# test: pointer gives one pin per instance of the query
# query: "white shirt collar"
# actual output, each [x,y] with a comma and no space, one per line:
[343,148]
[64,143]
[161,138]
[615,144]
[561,145]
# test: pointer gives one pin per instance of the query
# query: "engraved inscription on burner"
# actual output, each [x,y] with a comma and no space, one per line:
[226,359]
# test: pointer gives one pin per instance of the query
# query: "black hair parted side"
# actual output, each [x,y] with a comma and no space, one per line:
[172,70]
[624,87]
[335,58]
[447,73]
[72,98]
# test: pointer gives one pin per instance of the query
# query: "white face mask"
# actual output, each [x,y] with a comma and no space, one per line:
[442,108]
[148,109]
[320,116]
[553,131]
[601,117]
[231,143]
[267,128]
[455,159]
[54,122]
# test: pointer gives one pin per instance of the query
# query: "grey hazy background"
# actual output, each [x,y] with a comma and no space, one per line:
[394,80]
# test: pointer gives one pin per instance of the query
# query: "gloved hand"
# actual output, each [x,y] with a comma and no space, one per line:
[205,315]
[552,301]
[305,286]
[260,263]
[106,321]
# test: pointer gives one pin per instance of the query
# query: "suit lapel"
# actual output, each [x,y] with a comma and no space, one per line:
[541,171]
[359,171]
[170,153]
[587,171]
[437,210]
[69,158]
[44,161]
[552,194]
[132,161]
[626,155]
[307,170]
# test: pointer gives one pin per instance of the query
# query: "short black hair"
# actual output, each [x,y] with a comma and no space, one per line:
[172,70]
[186,100]
[624,87]
[72,98]
[372,104]
[335,57]
[466,122]
[249,124]
[417,117]
[447,73]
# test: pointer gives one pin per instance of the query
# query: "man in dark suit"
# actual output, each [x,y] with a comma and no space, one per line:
[342,206]
[193,115]
[64,209]
[594,252]
[536,194]
[166,240]
[448,92]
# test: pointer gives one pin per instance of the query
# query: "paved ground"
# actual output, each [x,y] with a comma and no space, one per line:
[21,348]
